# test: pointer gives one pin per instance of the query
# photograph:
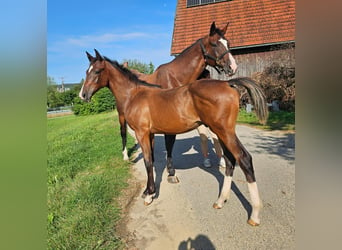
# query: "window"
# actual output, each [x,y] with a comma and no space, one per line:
[191,3]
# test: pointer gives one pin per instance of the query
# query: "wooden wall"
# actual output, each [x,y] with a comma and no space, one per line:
[255,60]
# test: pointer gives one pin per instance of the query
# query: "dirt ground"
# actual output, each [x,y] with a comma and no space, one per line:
[181,217]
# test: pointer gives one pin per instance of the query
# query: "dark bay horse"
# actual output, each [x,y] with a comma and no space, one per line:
[213,50]
[148,110]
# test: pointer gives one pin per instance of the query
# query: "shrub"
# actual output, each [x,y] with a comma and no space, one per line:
[102,101]
[278,79]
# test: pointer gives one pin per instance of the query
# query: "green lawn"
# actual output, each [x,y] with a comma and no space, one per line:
[85,174]
[276,121]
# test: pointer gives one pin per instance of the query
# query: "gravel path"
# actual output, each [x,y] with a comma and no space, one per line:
[182,217]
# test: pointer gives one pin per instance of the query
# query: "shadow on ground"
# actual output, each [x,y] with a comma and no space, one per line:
[200,242]
[186,155]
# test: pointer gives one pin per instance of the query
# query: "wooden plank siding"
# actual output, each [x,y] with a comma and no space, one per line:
[254,60]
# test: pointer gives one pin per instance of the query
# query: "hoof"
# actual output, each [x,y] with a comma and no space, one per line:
[172,179]
[149,199]
[216,206]
[147,203]
[252,223]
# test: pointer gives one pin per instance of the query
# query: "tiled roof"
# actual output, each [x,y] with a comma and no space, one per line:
[251,22]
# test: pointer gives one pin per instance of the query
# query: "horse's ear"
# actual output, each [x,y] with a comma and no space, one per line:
[90,57]
[98,56]
[225,29]
[212,29]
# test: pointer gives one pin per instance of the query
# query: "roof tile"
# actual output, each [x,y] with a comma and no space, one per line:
[251,22]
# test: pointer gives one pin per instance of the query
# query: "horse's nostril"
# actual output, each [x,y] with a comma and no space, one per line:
[84,95]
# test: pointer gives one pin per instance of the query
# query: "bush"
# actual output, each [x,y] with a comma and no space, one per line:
[278,79]
[102,101]
[278,83]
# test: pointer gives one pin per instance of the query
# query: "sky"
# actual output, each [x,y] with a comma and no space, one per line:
[130,29]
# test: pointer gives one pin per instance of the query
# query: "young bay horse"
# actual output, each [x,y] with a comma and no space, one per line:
[213,50]
[148,110]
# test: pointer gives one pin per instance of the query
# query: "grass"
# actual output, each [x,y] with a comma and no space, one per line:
[85,174]
[276,121]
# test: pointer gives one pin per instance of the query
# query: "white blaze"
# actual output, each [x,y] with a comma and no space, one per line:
[90,68]
[80,94]
[224,42]
[231,58]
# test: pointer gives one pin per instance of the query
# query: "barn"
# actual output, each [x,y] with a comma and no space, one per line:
[259,31]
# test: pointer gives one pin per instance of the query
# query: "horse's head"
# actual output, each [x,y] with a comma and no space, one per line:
[96,76]
[219,55]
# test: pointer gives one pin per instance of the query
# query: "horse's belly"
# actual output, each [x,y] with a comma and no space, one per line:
[173,123]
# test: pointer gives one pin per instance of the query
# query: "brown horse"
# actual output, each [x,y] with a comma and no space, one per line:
[213,50]
[148,110]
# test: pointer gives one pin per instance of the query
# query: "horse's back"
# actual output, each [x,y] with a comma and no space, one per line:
[160,110]
[213,89]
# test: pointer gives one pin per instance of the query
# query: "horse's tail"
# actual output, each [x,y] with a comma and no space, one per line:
[257,95]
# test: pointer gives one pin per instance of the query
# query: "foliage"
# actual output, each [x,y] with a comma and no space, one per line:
[278,83]
[141,67]
[278,79]
[281,120]
[53,98]
[85,175]
[56,99]
[102,101]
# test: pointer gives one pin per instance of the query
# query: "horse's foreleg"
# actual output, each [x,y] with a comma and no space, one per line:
[169,142]
[123,132]
[146,143]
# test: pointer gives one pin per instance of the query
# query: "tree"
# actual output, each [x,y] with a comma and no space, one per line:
[50,81]
[56,99]
[141,67]
[53,97]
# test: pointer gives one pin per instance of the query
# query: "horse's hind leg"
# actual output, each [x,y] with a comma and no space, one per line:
[227,182]
[233,144]
[169,142]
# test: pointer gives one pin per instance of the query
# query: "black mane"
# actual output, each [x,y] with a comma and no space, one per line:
[130,75]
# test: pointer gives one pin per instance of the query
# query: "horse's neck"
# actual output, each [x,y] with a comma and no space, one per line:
[190,64]
[121,86]
[185,68]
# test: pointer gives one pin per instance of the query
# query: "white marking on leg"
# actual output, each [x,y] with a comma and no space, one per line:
[256,202]
[225,192]
[148,199]
[125,155]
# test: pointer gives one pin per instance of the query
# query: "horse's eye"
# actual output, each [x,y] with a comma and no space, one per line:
[98,71]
